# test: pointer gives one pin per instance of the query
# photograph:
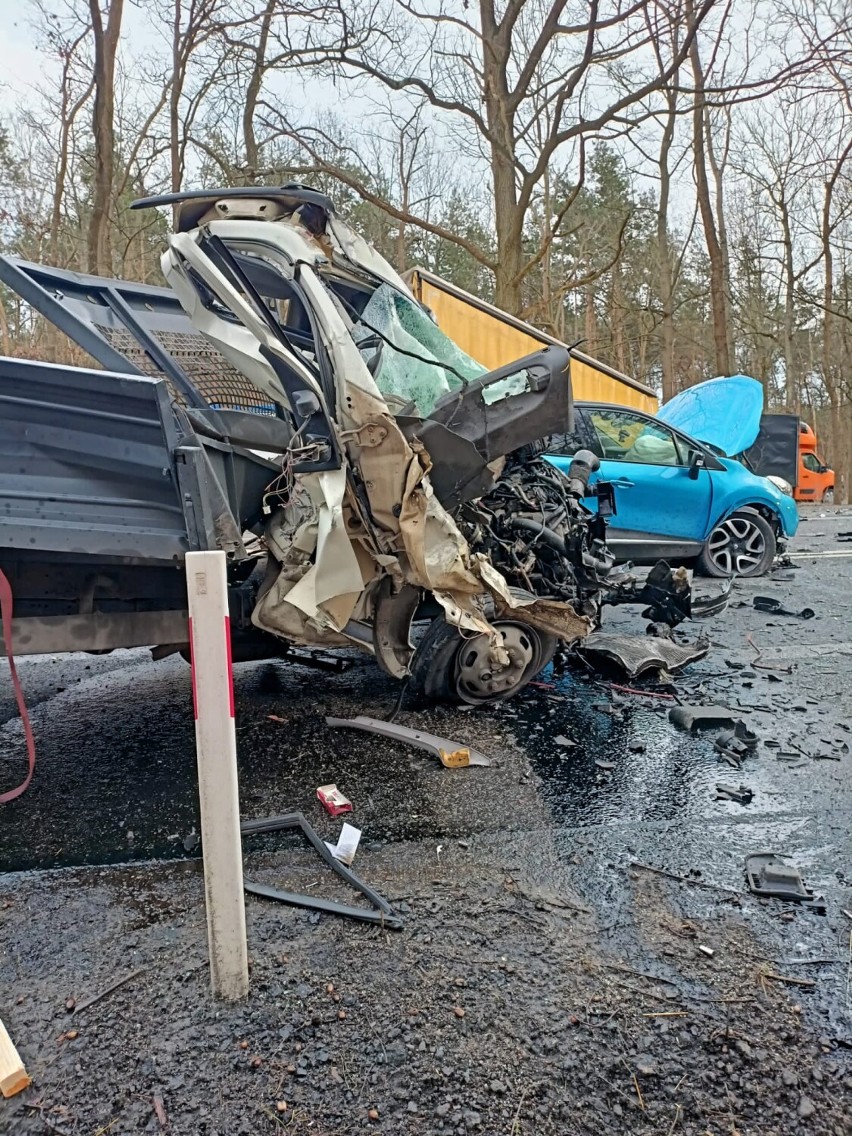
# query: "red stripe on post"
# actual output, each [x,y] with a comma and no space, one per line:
[230,664]
[192,672]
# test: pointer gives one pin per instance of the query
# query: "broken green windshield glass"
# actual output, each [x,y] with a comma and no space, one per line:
[439,366]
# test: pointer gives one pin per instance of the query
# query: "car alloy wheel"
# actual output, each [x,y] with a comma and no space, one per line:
[737,546]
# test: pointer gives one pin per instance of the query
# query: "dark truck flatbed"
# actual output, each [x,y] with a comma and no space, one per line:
[108,479]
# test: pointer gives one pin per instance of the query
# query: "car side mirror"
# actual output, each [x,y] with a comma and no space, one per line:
[696,464]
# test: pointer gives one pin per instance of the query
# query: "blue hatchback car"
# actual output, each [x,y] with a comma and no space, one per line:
[678,498]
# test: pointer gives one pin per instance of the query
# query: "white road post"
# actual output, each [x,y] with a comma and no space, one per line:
[218,789]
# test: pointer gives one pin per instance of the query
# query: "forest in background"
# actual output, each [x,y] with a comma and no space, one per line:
[667,182]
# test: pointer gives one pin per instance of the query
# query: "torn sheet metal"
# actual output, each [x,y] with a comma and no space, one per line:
[640,654]
[451,754]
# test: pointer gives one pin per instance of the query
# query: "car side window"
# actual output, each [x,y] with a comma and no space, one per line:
[566,445]
[624,436]
[811,462]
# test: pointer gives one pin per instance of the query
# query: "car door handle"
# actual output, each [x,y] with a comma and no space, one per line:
[622,483]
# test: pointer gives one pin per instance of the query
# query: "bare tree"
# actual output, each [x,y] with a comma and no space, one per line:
[712,221]
[489,76]
[106,37]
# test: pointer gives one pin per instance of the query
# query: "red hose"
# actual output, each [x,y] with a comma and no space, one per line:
[6,615]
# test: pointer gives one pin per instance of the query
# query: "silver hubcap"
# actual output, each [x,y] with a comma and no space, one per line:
[736,546]
[479,679]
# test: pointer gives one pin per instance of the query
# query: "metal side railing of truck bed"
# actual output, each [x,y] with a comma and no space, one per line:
[104,486]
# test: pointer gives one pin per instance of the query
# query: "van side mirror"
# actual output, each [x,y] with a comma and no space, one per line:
[696,464]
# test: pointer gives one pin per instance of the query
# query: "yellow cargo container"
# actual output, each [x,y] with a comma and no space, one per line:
[494,338]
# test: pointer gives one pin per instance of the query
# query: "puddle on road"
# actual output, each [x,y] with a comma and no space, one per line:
[675,775]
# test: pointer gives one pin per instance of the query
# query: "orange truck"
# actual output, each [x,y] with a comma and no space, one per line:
[786,448]
[816,480]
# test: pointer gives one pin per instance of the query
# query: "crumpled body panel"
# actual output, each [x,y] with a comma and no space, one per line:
[335,533]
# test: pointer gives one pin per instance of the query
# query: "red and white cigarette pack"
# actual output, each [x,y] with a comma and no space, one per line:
[333,800]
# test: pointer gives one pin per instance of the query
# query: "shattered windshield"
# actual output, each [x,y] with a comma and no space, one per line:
[418,362]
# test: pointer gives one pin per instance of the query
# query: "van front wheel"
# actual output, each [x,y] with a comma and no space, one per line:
[458,668]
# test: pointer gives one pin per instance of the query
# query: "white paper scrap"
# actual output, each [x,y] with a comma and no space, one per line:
[347,844]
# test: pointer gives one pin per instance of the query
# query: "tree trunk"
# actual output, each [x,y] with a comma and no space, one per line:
[174,102]
[619,345]
[718,288]
[724,251]
[508,217]
[791,394]
[590,320]
[833,451]
[666,282]
[103,118]
[253,92]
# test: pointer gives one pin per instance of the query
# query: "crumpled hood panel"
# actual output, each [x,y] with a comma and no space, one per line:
[723,412]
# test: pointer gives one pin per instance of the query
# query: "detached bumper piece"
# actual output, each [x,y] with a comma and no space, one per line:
[451,754]
[382,913]
[768,875]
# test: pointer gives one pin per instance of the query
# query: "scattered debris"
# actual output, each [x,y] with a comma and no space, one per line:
[768,875]
[561,740]
[81,1006]
[772,606]
[737,744]
[347,844]
[604,764]
[787,979]
[609,708]
[191,842]
[383,913]
[758,655]
[451,754]
[333,801]
[639,654]
[642,693]
[702,717]
[742,794]
[13,1076]
[683,879]
[160,1110]
[708,951]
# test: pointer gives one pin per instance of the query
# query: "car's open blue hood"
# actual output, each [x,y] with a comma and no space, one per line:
[722,412]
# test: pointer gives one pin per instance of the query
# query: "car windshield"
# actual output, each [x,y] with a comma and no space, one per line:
[418,362]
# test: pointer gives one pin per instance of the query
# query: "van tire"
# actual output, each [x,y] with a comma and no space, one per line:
[448,666]
[828,497]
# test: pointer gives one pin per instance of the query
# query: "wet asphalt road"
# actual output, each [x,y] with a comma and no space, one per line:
[116,765]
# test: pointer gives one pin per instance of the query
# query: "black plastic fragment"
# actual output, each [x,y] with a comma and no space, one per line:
[768,875]
[772,606]
[384,915]
[703,717]
[739,793]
